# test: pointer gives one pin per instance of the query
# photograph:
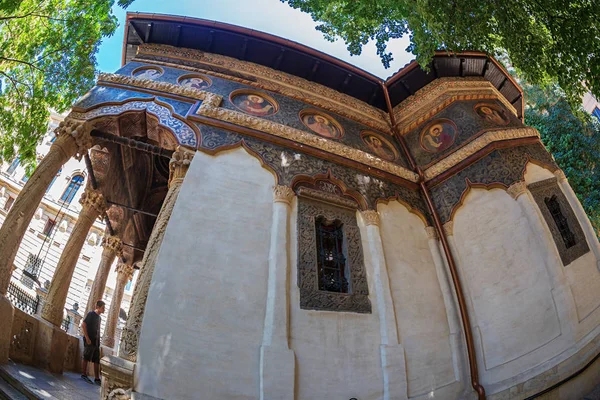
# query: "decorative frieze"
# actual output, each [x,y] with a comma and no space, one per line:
[150,84]
[283,194]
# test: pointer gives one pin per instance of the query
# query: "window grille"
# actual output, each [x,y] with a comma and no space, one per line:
[9,203]
[72,189]
[331,261]
[33,266]
[560,220]
[49,227]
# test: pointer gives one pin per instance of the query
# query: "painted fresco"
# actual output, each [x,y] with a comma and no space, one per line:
[380,146]
[492,113]
[147,73]
[321,124]
[195,82]
[254,103]
[438,135]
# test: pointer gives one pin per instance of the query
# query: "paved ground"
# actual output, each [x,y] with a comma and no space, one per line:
[44,385]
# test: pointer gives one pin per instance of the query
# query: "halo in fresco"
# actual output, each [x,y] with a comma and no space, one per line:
[147,73]
[492,113]
[254,103]
[321,124]
[195,81]
[379,145]
[438,135]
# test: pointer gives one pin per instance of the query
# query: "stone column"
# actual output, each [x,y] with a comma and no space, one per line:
[51,340]
[124,274]
[391,351]
[113,247]
[178,166]
[277,361]
[584,221]
[73,138]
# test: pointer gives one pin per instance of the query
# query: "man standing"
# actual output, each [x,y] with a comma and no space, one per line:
[91,344]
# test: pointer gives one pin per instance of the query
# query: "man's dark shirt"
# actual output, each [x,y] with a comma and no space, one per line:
[92,322]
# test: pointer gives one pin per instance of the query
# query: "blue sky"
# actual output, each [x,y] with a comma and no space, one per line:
[271,16]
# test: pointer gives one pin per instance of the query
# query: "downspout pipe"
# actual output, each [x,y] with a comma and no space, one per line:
[462,306]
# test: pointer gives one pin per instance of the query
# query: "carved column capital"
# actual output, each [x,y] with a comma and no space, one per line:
[73,137]
[179,164]
[449,228]
[93,199]
[113,243]
[371,217]
[283,194]
[125,270]
[517,189]
[431,232]
[560,175]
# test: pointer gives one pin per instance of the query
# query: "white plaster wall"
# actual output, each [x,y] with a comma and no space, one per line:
[204,317]
[419,305]
[337,353]
[503,270]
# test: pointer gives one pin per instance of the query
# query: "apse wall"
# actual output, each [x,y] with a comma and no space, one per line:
[205,310]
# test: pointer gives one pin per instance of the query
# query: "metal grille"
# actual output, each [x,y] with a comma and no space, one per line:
[65,324]
[560,220]
[21,299]
[331,261]
[31,271]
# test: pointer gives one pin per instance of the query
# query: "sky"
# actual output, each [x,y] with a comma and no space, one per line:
[270,16]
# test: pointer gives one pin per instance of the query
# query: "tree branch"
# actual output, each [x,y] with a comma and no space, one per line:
[22,62]
[14,82]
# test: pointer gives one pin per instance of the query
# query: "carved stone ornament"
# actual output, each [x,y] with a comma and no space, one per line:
[91,198]
[473,147]
[548,188]
[179,164]
[265,78]
[517,189]
[449,228]
[209,108]
[113,243]
[371,217]
[77,129]
[311,298]
[431,232]
[327,197]
[283,194]
[126,270]
[560,175]
[150,84]
[439,94]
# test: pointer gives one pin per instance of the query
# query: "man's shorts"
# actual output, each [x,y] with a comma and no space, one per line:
[91,352]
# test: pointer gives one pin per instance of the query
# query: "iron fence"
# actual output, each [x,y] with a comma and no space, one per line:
[21,299]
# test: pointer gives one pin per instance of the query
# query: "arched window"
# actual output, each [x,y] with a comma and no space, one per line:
[72,189]
[53,179]
[11,169]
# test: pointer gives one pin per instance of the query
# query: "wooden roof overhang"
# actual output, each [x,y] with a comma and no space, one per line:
[304,62]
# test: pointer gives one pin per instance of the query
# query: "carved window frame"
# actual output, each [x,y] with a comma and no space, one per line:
[311,298]
[547,189]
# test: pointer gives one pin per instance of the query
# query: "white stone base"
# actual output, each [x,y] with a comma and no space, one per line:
[277,371]
[394,372]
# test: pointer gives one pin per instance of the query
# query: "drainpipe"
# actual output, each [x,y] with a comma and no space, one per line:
[451,263]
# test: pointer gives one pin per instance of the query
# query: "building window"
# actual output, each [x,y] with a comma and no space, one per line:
[13,166]
[9,203]
[331,261]
[53,179]
[25,178]
[561,220]
[596,113]
[331,270]
[72,189]
[49,227]
[31,271]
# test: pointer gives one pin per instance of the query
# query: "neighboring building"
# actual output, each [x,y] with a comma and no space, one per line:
[591,105]
[50,229]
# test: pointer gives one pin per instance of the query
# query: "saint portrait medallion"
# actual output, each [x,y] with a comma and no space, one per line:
[147,73]
[492,113]
[195,81]
[254,103]
[321,124]
[379,145]
[438,135]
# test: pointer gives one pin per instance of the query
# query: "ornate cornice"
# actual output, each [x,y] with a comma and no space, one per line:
[560,175]
[440,93]
[371,217]
[93,199]
[474,146]
[209,108]
[283,194]
[517,189]
[431,232]
[150,84]
[179,164]
[274,81]
[327,197]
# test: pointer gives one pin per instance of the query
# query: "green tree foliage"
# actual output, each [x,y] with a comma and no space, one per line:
[547,41]
[47,60]
[574,140]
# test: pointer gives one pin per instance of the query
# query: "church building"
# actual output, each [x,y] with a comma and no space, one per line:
[304,230]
